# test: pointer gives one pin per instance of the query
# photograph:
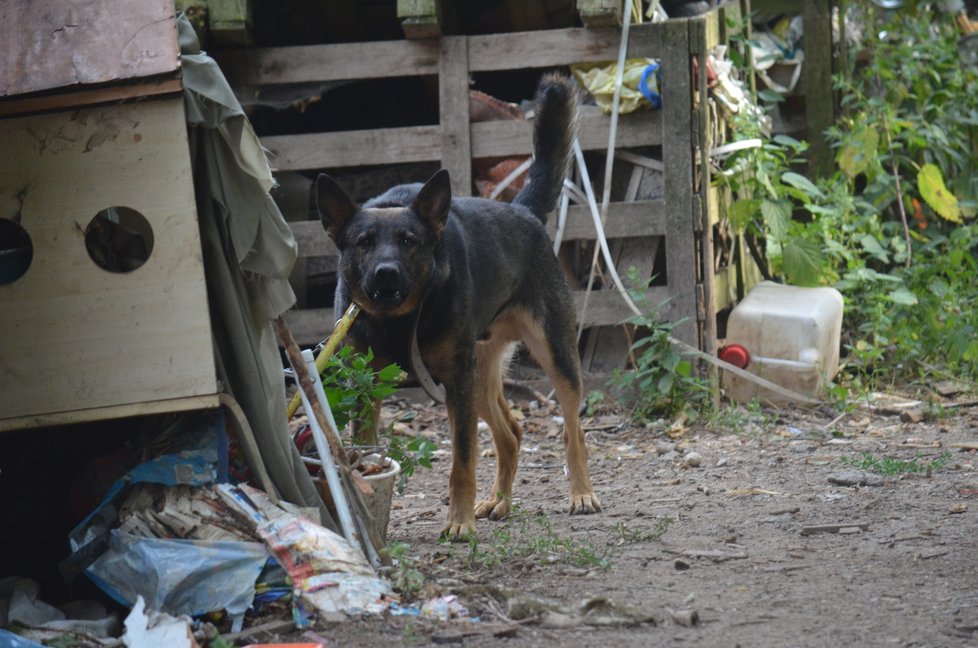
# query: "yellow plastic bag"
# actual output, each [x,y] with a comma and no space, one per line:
[599,80]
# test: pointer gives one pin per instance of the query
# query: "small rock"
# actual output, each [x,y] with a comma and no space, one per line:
[958,508]
[686,618]
[664,447]
[912,416]
[693,459]
[721,462]
[681,565]
[855,478]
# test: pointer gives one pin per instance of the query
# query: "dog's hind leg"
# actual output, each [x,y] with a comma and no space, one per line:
[555,352]
[491,405]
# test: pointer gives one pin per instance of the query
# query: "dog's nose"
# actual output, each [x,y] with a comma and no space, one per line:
[386,275]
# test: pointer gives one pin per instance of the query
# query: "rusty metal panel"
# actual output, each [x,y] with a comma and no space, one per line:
[51,44]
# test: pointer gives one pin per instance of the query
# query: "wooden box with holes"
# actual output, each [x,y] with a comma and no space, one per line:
[103,309]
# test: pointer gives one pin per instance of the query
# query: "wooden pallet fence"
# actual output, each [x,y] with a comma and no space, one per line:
[683,216]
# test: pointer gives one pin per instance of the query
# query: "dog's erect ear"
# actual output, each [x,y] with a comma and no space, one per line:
[334,205]
[433,201]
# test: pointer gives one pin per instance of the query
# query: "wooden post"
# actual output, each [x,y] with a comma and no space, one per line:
[677,151]
[453,109]
[420,18]
[600,13]
[817,83]
[229,21]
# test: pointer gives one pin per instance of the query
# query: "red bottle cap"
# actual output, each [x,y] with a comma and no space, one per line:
[735,354]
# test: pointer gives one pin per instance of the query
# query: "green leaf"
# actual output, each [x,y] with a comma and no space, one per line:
[801,261]
[873,247]
[770,96]
[799,181]
[930,182]
[777,216]
[858,150]
[903,296]
[743,212]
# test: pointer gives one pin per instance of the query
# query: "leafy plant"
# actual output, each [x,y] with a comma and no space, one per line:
[353,387]
[533,539]
[889,466]
[405,577]
[893,227]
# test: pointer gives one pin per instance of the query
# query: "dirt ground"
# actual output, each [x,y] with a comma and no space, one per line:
[757,530]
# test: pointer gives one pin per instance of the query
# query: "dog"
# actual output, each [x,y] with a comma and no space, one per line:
[466,280]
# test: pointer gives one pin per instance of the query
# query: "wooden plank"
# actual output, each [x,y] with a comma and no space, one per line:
[625,220]
[600,13]
[677,149]
[72,335]
[559,47]
[704,35]
[604,308]
[354,148]
[229,21]
[423,143]
[420,18]
[336,62]
[383,59]
[507,138]
[49,44]
[20,105]
[453,110]
[168,406]
[312,240]
[817,84]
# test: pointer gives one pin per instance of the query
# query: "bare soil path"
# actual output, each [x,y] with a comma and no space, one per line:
[767,535]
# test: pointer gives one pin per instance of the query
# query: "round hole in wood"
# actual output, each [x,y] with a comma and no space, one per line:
[119,239]
[16,251]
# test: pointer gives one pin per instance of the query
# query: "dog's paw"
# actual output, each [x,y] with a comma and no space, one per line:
[584,504]
[458,531]
[496,508]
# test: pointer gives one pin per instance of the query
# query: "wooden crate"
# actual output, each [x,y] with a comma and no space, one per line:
[77,342]
[683,218]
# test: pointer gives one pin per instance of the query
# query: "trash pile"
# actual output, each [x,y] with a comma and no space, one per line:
[174,539]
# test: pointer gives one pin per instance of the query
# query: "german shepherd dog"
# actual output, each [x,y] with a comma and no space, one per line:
[470,278]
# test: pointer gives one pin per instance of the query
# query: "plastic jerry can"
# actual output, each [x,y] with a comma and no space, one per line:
[791,337]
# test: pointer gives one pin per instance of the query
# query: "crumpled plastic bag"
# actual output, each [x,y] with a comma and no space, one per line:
[639,84]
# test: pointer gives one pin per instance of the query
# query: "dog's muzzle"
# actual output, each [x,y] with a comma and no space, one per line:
[386,288]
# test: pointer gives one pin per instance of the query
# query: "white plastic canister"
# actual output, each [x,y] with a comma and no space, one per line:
[792,335]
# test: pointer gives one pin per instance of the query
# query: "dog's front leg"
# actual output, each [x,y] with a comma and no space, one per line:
[462,420]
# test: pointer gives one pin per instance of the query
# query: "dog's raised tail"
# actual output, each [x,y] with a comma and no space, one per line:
[554,130]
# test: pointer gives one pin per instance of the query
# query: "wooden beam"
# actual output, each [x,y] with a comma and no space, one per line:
[677,148]
[338,62]
[157,88]
[604,308]
[558,47]
[424,143]
[354,148]
[625,220]
[384,59]
[229,21]
[600,13]
[817,84]
[420,18]
[506,138]
[453,109]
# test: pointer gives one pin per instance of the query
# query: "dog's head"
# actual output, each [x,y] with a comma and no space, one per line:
[386,247]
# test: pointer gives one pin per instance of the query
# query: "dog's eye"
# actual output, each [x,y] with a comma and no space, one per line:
[407,241]
[365,240]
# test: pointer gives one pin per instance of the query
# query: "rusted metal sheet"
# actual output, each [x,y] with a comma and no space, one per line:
[51,44]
